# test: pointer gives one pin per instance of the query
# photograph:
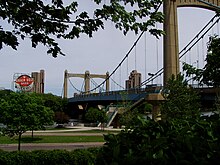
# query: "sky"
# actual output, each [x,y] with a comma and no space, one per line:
[99,54]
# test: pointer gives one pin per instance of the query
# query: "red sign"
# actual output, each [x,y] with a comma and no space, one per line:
[24,80]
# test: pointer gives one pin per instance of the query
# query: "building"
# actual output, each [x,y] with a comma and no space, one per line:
[134,80]
[38,77]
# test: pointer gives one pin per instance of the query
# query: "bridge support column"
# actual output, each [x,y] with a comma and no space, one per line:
[65,84]
[155,99]
[171,50]
[156,113]
[87,82]
[107,82]
[87,76]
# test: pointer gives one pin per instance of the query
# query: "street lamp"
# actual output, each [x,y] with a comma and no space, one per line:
[151,74]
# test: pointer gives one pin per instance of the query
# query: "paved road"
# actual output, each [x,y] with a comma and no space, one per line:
[63,134]
[50,146]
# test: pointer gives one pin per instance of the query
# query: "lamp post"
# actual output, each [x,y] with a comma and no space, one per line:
[151,74]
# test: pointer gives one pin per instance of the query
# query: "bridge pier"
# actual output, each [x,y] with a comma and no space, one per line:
[155,99]
[87,76]
[171,43]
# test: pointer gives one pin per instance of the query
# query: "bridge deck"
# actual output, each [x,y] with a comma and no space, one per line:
[122,95]
[135,95]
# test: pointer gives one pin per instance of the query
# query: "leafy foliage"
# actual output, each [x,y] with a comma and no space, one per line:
[210,74]
[21,112]
[5,93]
[55,103]
[44,22]
[128,118]
[95,115]
[55,157]
[181,101]
[172,142]
[58,105]
[182,138]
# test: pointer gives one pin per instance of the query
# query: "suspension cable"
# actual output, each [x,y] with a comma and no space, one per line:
[196,36]
[74,86]
[159,72]
[127,54]
[201,37]
[96,84]
[117,83]
[83,85]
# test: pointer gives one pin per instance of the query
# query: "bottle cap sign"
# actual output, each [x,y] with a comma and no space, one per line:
[24,82]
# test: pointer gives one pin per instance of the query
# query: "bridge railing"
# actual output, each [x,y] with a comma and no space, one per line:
[153,88]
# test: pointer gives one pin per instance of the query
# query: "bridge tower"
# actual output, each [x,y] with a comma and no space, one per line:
[87,76]
[171,44]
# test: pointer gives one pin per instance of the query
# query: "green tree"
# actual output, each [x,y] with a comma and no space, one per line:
[55,103]
[21,112]
[58,105]
[181,100]
[46,21]
[96,115]
[128,118]
[210,73]
[4,93]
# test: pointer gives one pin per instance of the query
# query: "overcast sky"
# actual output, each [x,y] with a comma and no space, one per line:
[99,54]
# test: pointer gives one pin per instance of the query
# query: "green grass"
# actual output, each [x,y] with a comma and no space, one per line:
[90,131]
[51,139]
[59,128]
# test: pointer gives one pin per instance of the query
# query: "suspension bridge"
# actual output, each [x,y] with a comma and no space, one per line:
[136,90]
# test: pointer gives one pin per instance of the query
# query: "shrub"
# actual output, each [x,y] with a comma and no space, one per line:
[165,142]
[44,157]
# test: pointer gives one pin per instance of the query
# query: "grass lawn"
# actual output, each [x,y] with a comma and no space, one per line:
[90,131]
[51,139]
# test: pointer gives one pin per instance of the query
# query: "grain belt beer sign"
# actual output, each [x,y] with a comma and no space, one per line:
[24,83]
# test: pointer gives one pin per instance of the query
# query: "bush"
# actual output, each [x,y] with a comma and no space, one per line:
[55,157]
[165,142]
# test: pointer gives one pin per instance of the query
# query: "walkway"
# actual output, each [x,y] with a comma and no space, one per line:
[50,146]
[62,132]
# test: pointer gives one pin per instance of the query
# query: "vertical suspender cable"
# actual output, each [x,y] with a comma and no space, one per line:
[203,52]
[127,67]
[157,52]
[190,60]
[145,55]
[83,85]
[120,75]
[127,54]
[218,28]
[212,28]
[113,83]
[197,61]
[62,92]
[135,60]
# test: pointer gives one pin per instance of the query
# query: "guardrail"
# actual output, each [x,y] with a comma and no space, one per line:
[154,88]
